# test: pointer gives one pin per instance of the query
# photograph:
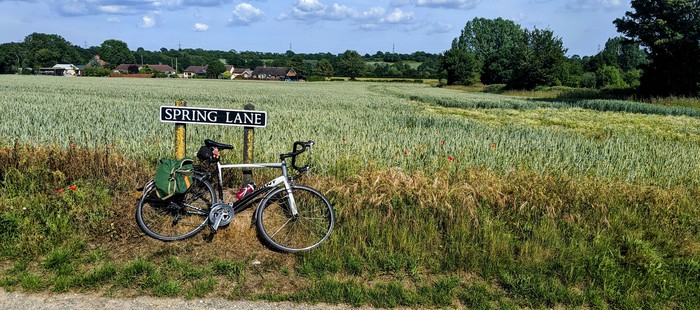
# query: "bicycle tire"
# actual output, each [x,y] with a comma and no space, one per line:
[285,233]
[176,218]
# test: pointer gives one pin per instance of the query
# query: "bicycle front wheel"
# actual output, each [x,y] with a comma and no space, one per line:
[178,217]
[288,233]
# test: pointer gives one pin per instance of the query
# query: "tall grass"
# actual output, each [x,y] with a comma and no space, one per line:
[355,124]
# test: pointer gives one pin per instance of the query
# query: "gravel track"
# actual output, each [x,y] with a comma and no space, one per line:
[70,301]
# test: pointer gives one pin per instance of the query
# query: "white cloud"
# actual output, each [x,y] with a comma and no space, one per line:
[115,9]
[147,21]
[592,5]
[445,4]
[245,14]
[313,10]
[200,27]
[373,13]
[74,8]
[398,16]
[440,28]
[113,19]
[96,7]
[309,6]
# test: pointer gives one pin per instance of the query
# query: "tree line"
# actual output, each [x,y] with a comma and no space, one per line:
[657,55]
[40,50]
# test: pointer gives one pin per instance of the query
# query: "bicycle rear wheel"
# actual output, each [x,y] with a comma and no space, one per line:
[176,218]
[289,233]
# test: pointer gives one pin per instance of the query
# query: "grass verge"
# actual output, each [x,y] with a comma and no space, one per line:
[476,238]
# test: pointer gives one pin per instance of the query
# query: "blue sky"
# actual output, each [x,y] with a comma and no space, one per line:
[308,26]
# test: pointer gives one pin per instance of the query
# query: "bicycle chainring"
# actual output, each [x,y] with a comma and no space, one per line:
[221,209]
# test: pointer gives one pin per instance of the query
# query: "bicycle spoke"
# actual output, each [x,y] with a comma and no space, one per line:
[289,233]
[178,217]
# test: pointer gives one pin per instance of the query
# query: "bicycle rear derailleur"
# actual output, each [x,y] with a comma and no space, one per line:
[220,215]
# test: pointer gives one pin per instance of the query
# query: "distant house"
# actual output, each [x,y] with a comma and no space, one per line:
[162,68]
[96,62]
[61,70]
[235,72]
[128,68]
[135,68]
[247,74]
[273,73]
[193,71]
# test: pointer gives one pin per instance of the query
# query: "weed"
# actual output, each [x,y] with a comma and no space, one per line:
[168,289]
[201,288]
[32,282]
[139,274]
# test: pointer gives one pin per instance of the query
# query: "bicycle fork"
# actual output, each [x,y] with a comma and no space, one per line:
[288,187]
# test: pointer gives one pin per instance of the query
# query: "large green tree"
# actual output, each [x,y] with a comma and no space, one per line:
[621,53]
[296,62]
[115,53]
[506,54]
[493,42]
[215,68]
[350,63]
[670,30]
[461,66]
[539,57]
[12,57]
[325,68]
[46,50]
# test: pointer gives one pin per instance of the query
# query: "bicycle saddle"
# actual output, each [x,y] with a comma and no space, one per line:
[221,146]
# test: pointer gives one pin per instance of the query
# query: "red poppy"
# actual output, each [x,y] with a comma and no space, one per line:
[7,150]
[73,187]
[442,142]
[493,145]
[344,139]
[450,158]
[60,191]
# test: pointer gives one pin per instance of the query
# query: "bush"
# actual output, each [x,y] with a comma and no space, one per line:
[96,72]
[610,77]
[315,79]
[495,88]
[588,80]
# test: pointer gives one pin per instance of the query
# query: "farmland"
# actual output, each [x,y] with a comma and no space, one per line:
[388,125]
[443,196]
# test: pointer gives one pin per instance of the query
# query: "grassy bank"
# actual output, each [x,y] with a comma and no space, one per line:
[474,238]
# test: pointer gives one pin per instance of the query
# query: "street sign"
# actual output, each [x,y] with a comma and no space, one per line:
[189,115]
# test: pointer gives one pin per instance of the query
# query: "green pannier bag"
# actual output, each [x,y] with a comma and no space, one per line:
[173,177]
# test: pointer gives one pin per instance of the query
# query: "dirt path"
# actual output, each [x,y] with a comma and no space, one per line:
[71,301]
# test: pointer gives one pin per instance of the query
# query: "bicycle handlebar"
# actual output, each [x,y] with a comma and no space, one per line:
[299,147]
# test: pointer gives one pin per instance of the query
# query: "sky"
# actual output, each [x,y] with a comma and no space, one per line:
[303,26]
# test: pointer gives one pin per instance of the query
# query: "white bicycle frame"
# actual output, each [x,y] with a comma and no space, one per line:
[284,179]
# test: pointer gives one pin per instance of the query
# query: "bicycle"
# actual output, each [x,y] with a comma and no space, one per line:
[290,217]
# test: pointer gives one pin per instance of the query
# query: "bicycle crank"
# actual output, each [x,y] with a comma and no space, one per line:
[221,215]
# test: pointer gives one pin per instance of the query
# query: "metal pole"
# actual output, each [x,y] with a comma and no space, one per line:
[180,135]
